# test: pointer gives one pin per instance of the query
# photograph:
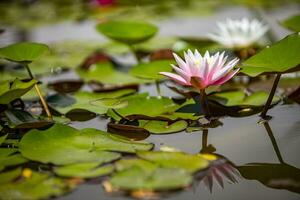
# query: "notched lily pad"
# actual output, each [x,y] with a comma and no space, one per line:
[128,32]
[83,170]
[11,91]
[280,57]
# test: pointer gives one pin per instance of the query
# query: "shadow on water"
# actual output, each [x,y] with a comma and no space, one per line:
[277,176]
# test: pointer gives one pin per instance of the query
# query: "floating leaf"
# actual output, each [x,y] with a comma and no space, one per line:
[150,70]
[9,157]
[142,104]
[19,119]
[11,91]
[281,57]
[128,32]
[94,102]
[163,127]
[149,179]
[128,131]
[188,162]
[66,86]
[2,138]
[83,170]
[38,186]
[106,74]
[292,23]
[10,175]
[125,164]
[23,52]
[62,144]
[239,98]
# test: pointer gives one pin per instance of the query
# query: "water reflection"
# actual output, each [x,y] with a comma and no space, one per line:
[221,169]
[274,175]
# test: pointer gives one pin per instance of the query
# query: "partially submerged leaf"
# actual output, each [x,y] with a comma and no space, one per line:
[10,175]
[128,131]
[128,32]
[11,91]
[23,52]
[280,57]
[83,170]
[9,157]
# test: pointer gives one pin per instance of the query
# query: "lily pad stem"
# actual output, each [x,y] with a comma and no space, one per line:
[204,103]
[135,53]
[157,88]
[44,103]
[270,98]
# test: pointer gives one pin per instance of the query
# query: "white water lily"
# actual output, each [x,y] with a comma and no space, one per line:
[238,33]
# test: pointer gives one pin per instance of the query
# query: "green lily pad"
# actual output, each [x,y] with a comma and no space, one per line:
[10,175]
[38,186]
[125,164]
[281,57]
[11,91]
[150,179]
[2,138]
[106,74]
[239,98]
[63,145]
[150,70]
[128,32]
[163,127]
[142,104]
[292,23]
[83,170]
[9,157]
[23,52]
[188,162]
[94,102]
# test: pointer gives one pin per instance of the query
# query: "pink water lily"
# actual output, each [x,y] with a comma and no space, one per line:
[202,71]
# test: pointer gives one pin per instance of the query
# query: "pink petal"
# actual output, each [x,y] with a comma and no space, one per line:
[182,73]
[220,73]
[225,78]
[175,77]
[181,63]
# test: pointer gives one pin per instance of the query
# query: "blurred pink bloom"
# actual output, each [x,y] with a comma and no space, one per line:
[202,71]
[103,2]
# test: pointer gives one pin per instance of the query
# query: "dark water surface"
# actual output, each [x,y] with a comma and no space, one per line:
[267,156]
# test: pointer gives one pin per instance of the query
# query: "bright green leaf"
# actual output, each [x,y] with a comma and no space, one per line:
[292,23]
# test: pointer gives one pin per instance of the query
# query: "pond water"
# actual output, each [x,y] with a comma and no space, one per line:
[265,156]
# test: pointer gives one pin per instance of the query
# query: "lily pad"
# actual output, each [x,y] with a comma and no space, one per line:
[128,32]
[292,23]
[150,70]
[83,170]
[9,157]
[179,160]
[94,102]
[150,179]
[2,138]
[125,164]
[142,104]
[38,186]
[62,145]
[10,175]
[163,127]
[106,74]
[23,52]
[281,57]
[11,91]
[239,98]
